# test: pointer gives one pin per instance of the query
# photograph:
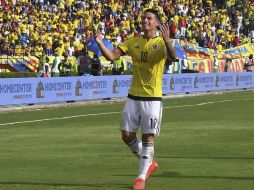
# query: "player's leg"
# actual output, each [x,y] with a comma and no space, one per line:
[150,126]
[129,126]
[146,163]
[151,115]
[147,154]
[133,142]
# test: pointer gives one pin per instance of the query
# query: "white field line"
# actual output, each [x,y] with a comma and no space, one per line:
[109,113]
[57,118]
[200,104]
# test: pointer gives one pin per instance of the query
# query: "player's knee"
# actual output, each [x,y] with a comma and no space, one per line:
[128,137]
[148,137]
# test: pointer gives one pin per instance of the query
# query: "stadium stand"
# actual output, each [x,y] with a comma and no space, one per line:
[59,26]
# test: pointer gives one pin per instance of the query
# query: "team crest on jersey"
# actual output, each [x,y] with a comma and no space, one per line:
[155,46]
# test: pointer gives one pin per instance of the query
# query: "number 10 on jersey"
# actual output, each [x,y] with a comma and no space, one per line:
[143,56]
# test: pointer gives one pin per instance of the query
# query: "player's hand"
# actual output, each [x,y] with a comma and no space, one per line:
[165,31]
[98,36]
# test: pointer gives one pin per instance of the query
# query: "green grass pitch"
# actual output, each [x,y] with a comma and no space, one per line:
[206,143]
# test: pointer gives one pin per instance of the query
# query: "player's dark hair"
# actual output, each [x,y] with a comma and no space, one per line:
[155,12]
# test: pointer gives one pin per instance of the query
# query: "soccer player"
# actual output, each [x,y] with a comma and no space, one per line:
[143,108]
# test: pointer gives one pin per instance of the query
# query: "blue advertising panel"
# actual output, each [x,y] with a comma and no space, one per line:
[119,85]
[244,80]
[52,89]
[204,83]
[252,80]
[179,83]
[90,87]
[165,84]
[16,91]
[61,89]
[225,81]
[183,83]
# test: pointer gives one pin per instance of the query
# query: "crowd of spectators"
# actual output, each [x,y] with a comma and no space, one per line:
[61,27]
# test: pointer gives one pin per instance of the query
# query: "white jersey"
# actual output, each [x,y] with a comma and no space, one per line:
[55,65]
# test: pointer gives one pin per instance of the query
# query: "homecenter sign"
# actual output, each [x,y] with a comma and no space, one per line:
[62,89]
[15,88]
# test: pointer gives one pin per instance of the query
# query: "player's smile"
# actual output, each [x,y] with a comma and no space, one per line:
[148,21]
[145,25]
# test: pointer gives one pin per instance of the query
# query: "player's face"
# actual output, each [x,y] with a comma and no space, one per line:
[149,22]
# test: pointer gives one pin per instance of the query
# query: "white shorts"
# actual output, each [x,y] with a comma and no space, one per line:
[144,114]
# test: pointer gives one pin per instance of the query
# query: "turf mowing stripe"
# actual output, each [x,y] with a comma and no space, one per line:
[108,113]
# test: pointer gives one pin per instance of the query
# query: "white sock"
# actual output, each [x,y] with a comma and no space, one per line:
[145,158]
[136,146]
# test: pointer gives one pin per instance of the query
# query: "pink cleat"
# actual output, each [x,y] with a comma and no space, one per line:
[139,184]
[152,168]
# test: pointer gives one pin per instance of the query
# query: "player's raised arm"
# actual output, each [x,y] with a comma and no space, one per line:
[109,54]
[166,37]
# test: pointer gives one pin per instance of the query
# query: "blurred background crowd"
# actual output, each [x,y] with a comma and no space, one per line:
[61,28]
